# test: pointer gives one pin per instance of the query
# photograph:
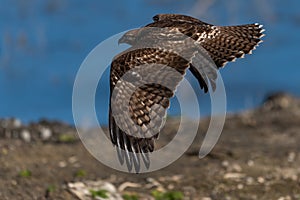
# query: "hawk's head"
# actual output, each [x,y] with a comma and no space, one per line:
[129,37]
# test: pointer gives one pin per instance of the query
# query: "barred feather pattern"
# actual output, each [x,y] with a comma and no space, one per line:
[223,44]
[143,101]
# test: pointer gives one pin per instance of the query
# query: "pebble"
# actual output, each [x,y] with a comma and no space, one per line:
[175,178]
[25,135]
[240,186]
[225,163]
[16,123]
[82,189]
[76,185]
[231,167]
[11,123]
[291,157]
[234,176]
[261,180]
[153,183]
[171,187]
[249,180]
[109,187]
[289,173]
[14,182]
[76,165]
[285,198]
[62,164]
[250,163]
[206,198]
[236,168]
[73,159]
[125,185]
[189,191]
[45,133]
[228,198]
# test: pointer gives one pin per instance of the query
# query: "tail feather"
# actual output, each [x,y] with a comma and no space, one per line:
[127,142]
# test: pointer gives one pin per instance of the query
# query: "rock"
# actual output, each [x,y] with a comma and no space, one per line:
[175,178]
[225,164]
[62,164]
[171,187]
[190,192]
[285,198]
[291,157]
[25,135]
[278,101]
[250,163]
[234,176]
[236,168]
[45,133]
[152,183]
[125,185]
[231,167]
[16,123]
[240,186]
[14,182]
[72,159]
[288,173]
[249,181]
[11,123]
[109,187]
[83,190]
[261,180]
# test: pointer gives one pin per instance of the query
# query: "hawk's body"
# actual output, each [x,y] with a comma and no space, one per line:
[223,44]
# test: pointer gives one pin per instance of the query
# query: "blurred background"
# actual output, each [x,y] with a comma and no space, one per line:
[43,43]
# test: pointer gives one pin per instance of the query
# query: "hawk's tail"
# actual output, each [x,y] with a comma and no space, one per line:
[127,142]
[231,42]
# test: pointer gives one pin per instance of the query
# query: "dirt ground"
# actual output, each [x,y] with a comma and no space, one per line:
[257,157]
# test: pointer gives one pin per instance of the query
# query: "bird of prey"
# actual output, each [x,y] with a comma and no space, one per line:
[147,104]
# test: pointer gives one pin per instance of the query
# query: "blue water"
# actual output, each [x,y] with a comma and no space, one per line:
[43,43]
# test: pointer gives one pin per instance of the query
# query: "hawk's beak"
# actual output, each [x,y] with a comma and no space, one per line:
[122,40]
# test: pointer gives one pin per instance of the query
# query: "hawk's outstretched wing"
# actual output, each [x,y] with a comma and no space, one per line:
[223,43]
[141,87]
[142,83]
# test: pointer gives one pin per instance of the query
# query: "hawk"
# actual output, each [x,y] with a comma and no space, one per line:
[147,103]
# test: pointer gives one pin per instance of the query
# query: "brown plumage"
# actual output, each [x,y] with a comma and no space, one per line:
[148,103]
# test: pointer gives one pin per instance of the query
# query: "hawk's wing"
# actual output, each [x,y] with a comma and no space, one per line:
[223,43]
[227,43]
[178,18]
[141,82]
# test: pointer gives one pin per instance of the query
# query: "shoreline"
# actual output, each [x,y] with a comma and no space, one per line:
[257,157]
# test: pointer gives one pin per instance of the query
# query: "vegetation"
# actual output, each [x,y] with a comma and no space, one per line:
[51,188]
[130,197]
[80,173]
[25,173]
[170,195]
[99,193]
[66,138]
